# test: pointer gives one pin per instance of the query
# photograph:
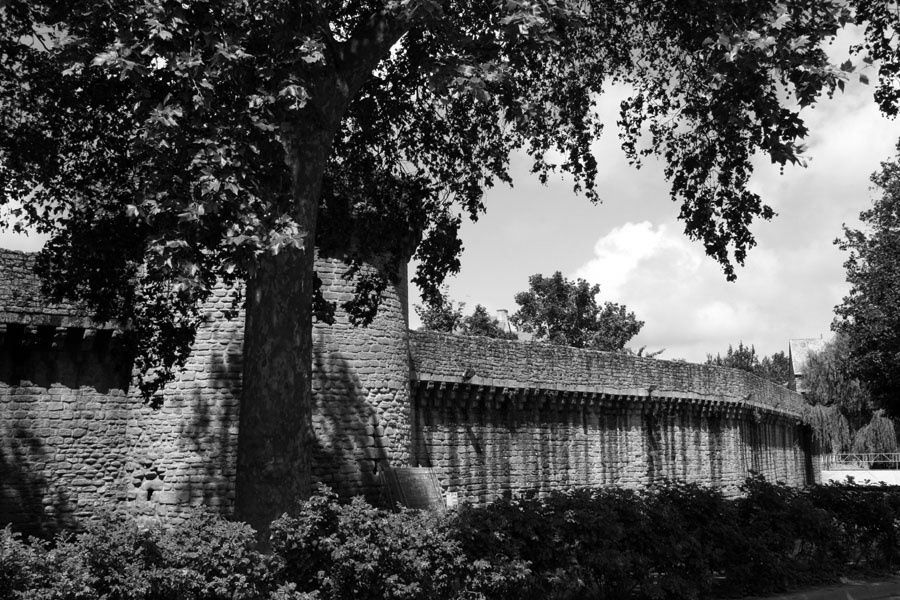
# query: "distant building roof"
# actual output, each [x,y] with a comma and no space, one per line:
[799,351]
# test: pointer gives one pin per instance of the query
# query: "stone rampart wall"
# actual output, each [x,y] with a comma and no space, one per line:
[500,363]
[361,390]
[493,416]
[489,416]
[63,419]
[184,453]
[74,435]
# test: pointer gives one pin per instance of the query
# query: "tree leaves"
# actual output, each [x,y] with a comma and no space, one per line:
[566,313]
[868,318]
[181,116]
[446,315]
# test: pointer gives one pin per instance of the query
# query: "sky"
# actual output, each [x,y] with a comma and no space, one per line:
[633,246]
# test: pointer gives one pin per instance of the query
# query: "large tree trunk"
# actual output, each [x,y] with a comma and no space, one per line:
[275,436]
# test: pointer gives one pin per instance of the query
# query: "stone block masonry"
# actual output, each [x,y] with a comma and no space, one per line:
[495,417]
[184,454]
[75,436]
[489,416]
[63,421]
[361,384]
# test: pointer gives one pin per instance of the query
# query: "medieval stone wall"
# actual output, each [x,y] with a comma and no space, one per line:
[361,388]
[490,416]
[74,435]
[183,454]
[493,416]
[63,417]
[63,412]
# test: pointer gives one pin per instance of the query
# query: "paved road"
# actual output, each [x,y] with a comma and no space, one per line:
[884,589]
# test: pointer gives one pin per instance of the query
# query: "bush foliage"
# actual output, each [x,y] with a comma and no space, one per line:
[678,541]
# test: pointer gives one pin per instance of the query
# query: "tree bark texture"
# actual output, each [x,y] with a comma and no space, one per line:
[276,435]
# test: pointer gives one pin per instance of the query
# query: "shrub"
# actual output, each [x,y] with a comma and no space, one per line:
[206,558]
[676,541]
[19,564]
[604,543]
[680,540]
[866,517]
[357,551]
[783,540]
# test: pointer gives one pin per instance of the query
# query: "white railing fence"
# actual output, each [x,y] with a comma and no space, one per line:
[861,460]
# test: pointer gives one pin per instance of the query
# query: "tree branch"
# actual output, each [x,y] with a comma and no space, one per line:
[372,40]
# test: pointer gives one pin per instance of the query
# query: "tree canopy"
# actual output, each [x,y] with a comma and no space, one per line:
[775,368]
[564,312]
[868,319]
[201,141]
[483,324]
[168,129]
[743,358]
[444,314]
[441,313]
[828,381]
[846,411]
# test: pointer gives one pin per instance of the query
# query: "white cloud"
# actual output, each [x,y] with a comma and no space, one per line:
[690,309]
[18,241]
[631,246]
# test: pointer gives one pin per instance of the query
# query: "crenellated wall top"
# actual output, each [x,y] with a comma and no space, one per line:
[449,360]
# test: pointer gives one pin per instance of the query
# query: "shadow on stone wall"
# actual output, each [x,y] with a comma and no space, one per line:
[715,449]
[556,446]
[42,371]
[487,452]
[72,358]
[210,431]
[26,502]
[349,449]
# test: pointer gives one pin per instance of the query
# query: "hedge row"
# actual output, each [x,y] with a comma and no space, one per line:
[675,541]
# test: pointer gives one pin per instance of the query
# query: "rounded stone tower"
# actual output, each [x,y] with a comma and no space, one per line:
[184,453]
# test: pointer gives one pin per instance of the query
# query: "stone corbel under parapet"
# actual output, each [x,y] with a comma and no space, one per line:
[478,392]
[73,338]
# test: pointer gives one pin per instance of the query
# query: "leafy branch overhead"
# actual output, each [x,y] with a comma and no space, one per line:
[197,137]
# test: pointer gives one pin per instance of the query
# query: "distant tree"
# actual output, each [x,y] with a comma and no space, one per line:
[441,314]
[566,313]
[878,435]
[869,316]
[832,386]
[829,426]
[743,357]
[444,314]
[829,382]
[776,368]
[481,323]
